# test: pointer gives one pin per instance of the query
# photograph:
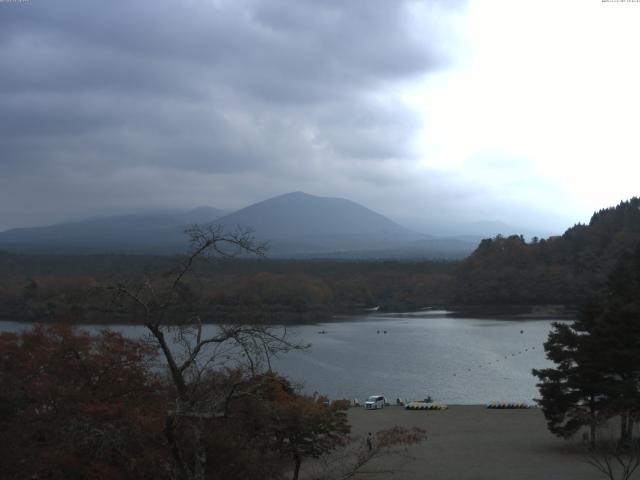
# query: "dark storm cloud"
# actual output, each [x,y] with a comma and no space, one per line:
[97,88]
[278,51]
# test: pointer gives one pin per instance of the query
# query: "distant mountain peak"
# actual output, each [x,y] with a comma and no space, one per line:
[295,224]
[304,195]
[301,215]
[298,195]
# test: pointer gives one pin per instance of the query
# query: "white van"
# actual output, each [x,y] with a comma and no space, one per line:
[374,401]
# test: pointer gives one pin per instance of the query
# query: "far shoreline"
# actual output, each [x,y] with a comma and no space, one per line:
[515,312]
[480,312]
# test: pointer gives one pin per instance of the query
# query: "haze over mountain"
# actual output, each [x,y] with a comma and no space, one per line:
[158,232]
[476,230]
[301,223]
[407,107]
[300,215]
[294,224]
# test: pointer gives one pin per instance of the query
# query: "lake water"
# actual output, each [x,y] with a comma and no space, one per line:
[454,360]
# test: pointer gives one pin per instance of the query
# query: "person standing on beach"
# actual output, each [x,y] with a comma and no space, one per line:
[370,441]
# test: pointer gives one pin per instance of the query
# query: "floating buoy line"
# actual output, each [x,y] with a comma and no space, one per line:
[498,360]
[480,366]
[425,406]
[504,405]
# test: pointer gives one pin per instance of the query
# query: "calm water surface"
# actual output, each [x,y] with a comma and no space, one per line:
[454,360]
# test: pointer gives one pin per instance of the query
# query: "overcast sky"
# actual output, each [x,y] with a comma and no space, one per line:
[520,111]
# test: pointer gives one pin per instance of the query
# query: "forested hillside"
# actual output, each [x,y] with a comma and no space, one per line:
[502,273]
[74,287]
[559,270]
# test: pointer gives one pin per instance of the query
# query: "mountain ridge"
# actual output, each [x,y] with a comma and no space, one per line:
[308,215]
[295,224]
[131,232]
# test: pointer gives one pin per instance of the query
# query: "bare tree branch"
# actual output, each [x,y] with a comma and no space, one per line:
[189,356]
[616,461]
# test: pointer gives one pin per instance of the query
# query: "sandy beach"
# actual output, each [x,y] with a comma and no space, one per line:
[476,443]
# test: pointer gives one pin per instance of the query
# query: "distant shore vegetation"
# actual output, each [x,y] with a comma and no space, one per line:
[545,277]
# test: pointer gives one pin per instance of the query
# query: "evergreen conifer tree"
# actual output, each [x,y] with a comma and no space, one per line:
[597,357]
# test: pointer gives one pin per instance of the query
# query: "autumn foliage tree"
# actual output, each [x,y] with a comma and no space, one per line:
[309,427]
[190,402]
[70,405]
[77,406]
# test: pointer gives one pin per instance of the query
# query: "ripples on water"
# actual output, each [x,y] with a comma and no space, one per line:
[454,360]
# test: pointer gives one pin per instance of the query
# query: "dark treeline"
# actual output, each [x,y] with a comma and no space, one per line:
[73,288]
[567,269]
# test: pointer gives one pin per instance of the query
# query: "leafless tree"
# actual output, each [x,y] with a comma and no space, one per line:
[358,457]
[616,460]
[190,350]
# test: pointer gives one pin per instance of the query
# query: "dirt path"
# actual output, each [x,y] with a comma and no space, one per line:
[475,443]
